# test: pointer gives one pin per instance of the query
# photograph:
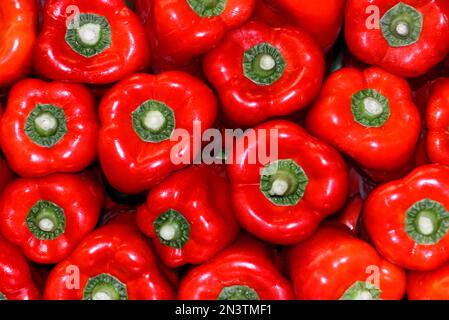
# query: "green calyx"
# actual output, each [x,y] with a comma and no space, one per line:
[426,222]
[370,108]
[46,125]
[361,290]
[207,8]
[238,293]
[263,64]
[153,121]
[283,182]
[2,296]
[89,34]
[401,25]
[105,287]
[172,229]
[46,220]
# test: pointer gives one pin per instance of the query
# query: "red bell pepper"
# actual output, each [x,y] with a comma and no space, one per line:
[49,128]
[262,72]
[15,277]
[407,220]
[333,264]
[189,215]
[437,121]
[350,214]
[47,217]
[429,285]
[139,116]
[114,262]
[91,41]
[406,37]
[199,26]
[284,200]
[18,32]
[365,114]
[243,271]
[322,19]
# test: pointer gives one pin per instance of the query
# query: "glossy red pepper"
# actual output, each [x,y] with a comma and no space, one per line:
[91,41]
[350,214]
[49,128]
[365,114]
[143,118]
[114,262]
[406,37]
[200,26]
[243,271]
[283,199]
[262,72]
[407,220]
[333,264]
[47,217]
[322,19]
[16,282]
[437,122]
[189,215]
[429,285]
[18,32]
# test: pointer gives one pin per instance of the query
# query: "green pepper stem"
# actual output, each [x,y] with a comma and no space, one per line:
[427,222]
[402,25]
[283,182]
[172,229]
[105,287]
[361,291]
[46,220]
[238,293]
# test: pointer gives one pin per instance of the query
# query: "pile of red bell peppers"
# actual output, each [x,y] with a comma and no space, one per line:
[96,204]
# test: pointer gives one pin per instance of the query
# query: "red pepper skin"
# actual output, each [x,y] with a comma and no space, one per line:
[130,164]
[430,285]
[350,214]
[246,103]
[78,147]
[322,19]
[128,52]
[18,32]
[327,264]
[370,46]
[374,148]
[193,35]
[385,213]
[202,196]
[117,249]
[247,262]
[81,198]
[325,193]
[15,277]
[437,121]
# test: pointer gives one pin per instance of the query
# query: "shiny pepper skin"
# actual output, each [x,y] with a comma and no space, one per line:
[50,215]
[121,48]
[407,219]
[243,271]
[15,276]
[284,201]
[407,45]
[18,33]
[334,264]
[49,127]
[189,215]
[262,72]
[114,262]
